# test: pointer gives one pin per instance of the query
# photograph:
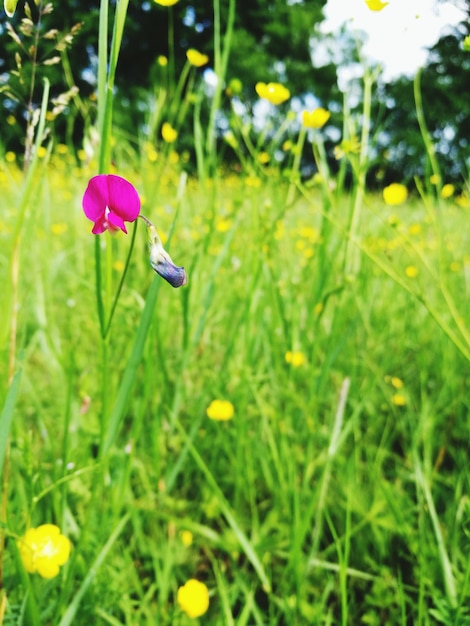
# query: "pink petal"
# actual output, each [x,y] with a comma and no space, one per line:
[100,226]
[116,221]
[95,198]
[123,201]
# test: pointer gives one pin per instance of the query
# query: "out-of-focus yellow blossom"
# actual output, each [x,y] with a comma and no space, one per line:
[309,232]
[376,5]
[193,598]
[169,134]
[434,179]
[463,201]
[396,382]
[42,151]
[273,92]
[166,3]
[466,43]
[152,155]
[59,229]
[395,194]
[173,158]
[11,120]
[447,191]
[186,537]
[316,118]
[43,550]
[398,399]
[162,60]
[296,359]
[415,229]
[10,157]
[118,266]
[263,158]
[287,145]
[411,271]
[196,58]
[220,410]
[252,181]
[280,231]
[223,225]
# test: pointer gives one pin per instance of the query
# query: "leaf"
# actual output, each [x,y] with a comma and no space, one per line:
[7,415]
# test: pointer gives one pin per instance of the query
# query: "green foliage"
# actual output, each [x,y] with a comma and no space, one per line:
[312,485]
[334,324]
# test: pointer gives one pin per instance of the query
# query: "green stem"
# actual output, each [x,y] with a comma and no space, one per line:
[428,144]
[352,259]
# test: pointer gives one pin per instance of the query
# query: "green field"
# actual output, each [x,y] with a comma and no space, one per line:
[281,441]
[337,493]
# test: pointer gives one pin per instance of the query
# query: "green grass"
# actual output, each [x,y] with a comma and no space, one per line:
[322,501]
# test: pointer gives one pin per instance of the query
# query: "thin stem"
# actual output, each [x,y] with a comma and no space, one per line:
[29,109]
[123,276]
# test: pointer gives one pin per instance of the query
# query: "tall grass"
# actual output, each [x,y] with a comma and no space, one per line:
[338,493]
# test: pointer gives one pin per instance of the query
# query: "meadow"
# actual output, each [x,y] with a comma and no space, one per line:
[290,428]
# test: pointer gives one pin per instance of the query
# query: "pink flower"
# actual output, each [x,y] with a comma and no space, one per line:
[109,201]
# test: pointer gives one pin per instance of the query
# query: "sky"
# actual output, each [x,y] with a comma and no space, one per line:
[397,35]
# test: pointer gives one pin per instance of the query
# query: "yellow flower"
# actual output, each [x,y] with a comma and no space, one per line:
[169,134]
[118,266]
[434,179]
[162,60]
[10,157]
[166,3]
[263,158]
[186,537]
[316,118]
[415,229]
[59,228]
[273,92]
[447,191]
[466,43]
[196,58]
[463,201]
[376,5]
[296,359]
[43,550]
[193,598]
[223,225]
[411,271]
[220,410]
[398,399]
[396,382]
[395,194]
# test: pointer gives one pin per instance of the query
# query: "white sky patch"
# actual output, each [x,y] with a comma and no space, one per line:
[397,35]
